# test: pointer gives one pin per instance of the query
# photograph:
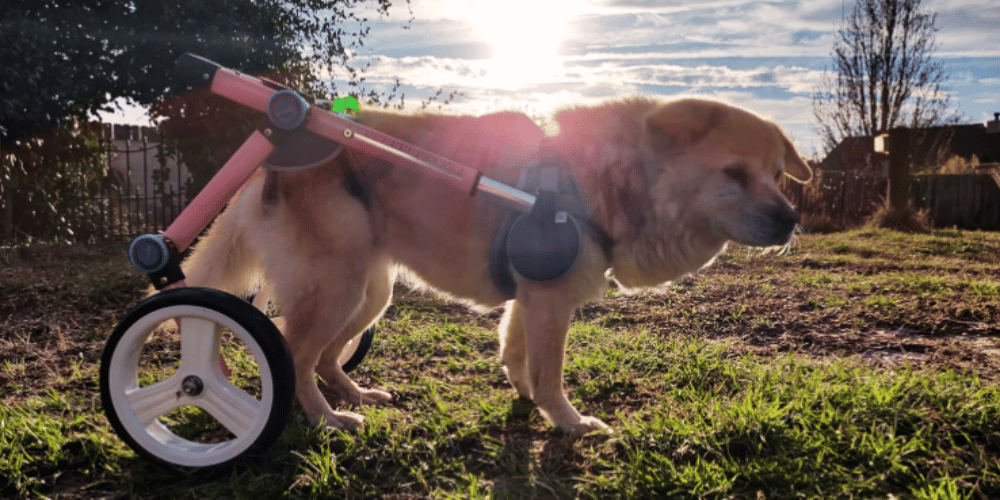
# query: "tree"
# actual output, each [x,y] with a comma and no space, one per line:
[884,74]
[66,59]
[63,60]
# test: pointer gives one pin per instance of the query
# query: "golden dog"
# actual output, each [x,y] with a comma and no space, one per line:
[669,182]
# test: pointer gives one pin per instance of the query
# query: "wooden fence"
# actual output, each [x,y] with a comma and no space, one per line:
[846,199]
[968,201]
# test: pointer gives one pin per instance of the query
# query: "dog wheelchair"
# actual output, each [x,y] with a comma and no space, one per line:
[235,375]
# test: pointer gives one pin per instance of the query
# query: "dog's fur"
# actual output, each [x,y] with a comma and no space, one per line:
[670,182]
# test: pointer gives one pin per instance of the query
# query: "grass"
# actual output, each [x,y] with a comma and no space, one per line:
[858,365]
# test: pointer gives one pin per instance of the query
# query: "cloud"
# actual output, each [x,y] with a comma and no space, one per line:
[767,55]
[428,71]
[780,92]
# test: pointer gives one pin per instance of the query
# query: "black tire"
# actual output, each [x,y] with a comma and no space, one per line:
[260,330]
[364,346]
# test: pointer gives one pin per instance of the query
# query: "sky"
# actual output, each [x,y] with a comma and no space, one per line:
[539,55]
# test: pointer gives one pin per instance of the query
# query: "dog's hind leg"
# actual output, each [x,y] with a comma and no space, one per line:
[319,276]
[378,295]
[310,316]
[226,258]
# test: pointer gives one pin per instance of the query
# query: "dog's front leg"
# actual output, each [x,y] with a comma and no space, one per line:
[545,318]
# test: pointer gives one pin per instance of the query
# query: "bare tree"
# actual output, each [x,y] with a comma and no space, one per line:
[884,74]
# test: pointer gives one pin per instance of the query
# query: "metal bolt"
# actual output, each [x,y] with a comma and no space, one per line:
[163,280]
[192,385]
[206,76]
[268,132]
[347,133]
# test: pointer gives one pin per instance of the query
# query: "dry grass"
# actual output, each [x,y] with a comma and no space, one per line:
[907,220]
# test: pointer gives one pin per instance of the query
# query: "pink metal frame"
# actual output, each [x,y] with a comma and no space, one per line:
[255,93]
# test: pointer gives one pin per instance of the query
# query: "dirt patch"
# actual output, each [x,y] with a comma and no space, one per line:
[837,299]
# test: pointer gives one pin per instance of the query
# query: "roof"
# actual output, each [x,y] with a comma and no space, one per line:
[856,153]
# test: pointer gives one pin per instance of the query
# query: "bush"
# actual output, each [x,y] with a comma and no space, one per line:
[54,180]
[954,165]
[907,220]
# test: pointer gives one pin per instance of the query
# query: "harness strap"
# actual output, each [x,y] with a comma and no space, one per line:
[551,175]
[554,174]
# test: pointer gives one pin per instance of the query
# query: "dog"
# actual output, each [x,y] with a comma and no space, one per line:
[668,182]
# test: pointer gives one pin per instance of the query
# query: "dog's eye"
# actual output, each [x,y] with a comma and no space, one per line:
[737,174]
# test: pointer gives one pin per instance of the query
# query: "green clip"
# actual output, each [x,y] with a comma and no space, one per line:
[344,103]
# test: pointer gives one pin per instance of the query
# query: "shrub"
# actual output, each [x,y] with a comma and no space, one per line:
[907,220]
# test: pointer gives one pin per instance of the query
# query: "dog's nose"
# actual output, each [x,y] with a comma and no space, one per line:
[796,217]
[785,219]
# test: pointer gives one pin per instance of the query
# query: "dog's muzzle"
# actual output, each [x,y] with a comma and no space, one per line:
[783,218]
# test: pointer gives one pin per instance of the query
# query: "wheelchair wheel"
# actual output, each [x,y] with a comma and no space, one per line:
[197,379]
[356,350]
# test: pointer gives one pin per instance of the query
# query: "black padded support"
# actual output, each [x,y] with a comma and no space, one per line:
[301,150]
[544,244]
[499,262]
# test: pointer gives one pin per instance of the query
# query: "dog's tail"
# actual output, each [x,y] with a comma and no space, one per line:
[224,258]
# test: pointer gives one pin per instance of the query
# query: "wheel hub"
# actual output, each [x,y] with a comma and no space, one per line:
[192,385]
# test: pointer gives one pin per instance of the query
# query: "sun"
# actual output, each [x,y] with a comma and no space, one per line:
[524,36]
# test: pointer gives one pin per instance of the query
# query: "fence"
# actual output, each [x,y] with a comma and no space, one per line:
[839,198]
[968,201]
[148,189]
[845,199]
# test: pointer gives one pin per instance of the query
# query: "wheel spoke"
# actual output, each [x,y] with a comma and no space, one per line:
[150,402]
[231,406]
[200,340]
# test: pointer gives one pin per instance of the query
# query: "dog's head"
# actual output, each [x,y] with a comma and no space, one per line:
[674,181]
[728,161]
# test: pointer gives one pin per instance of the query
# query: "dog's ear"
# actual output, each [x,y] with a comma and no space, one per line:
[795,167]
[677,125]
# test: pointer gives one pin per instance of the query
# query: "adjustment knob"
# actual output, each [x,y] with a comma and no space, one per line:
[287,110]
[148,253]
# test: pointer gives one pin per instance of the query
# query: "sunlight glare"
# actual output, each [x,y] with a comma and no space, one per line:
[524,35]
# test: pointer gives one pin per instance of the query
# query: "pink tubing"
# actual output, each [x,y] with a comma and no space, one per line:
[375,143]
[243,89]
[255,94]
[214,196]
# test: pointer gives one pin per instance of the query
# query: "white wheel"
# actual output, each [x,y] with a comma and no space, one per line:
[208,395]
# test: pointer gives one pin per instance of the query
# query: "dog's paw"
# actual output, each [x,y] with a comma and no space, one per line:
[355,396]
[586,425]
[374,397]
[342,420]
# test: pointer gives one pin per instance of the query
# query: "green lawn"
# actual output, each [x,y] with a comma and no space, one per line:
[857,365]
